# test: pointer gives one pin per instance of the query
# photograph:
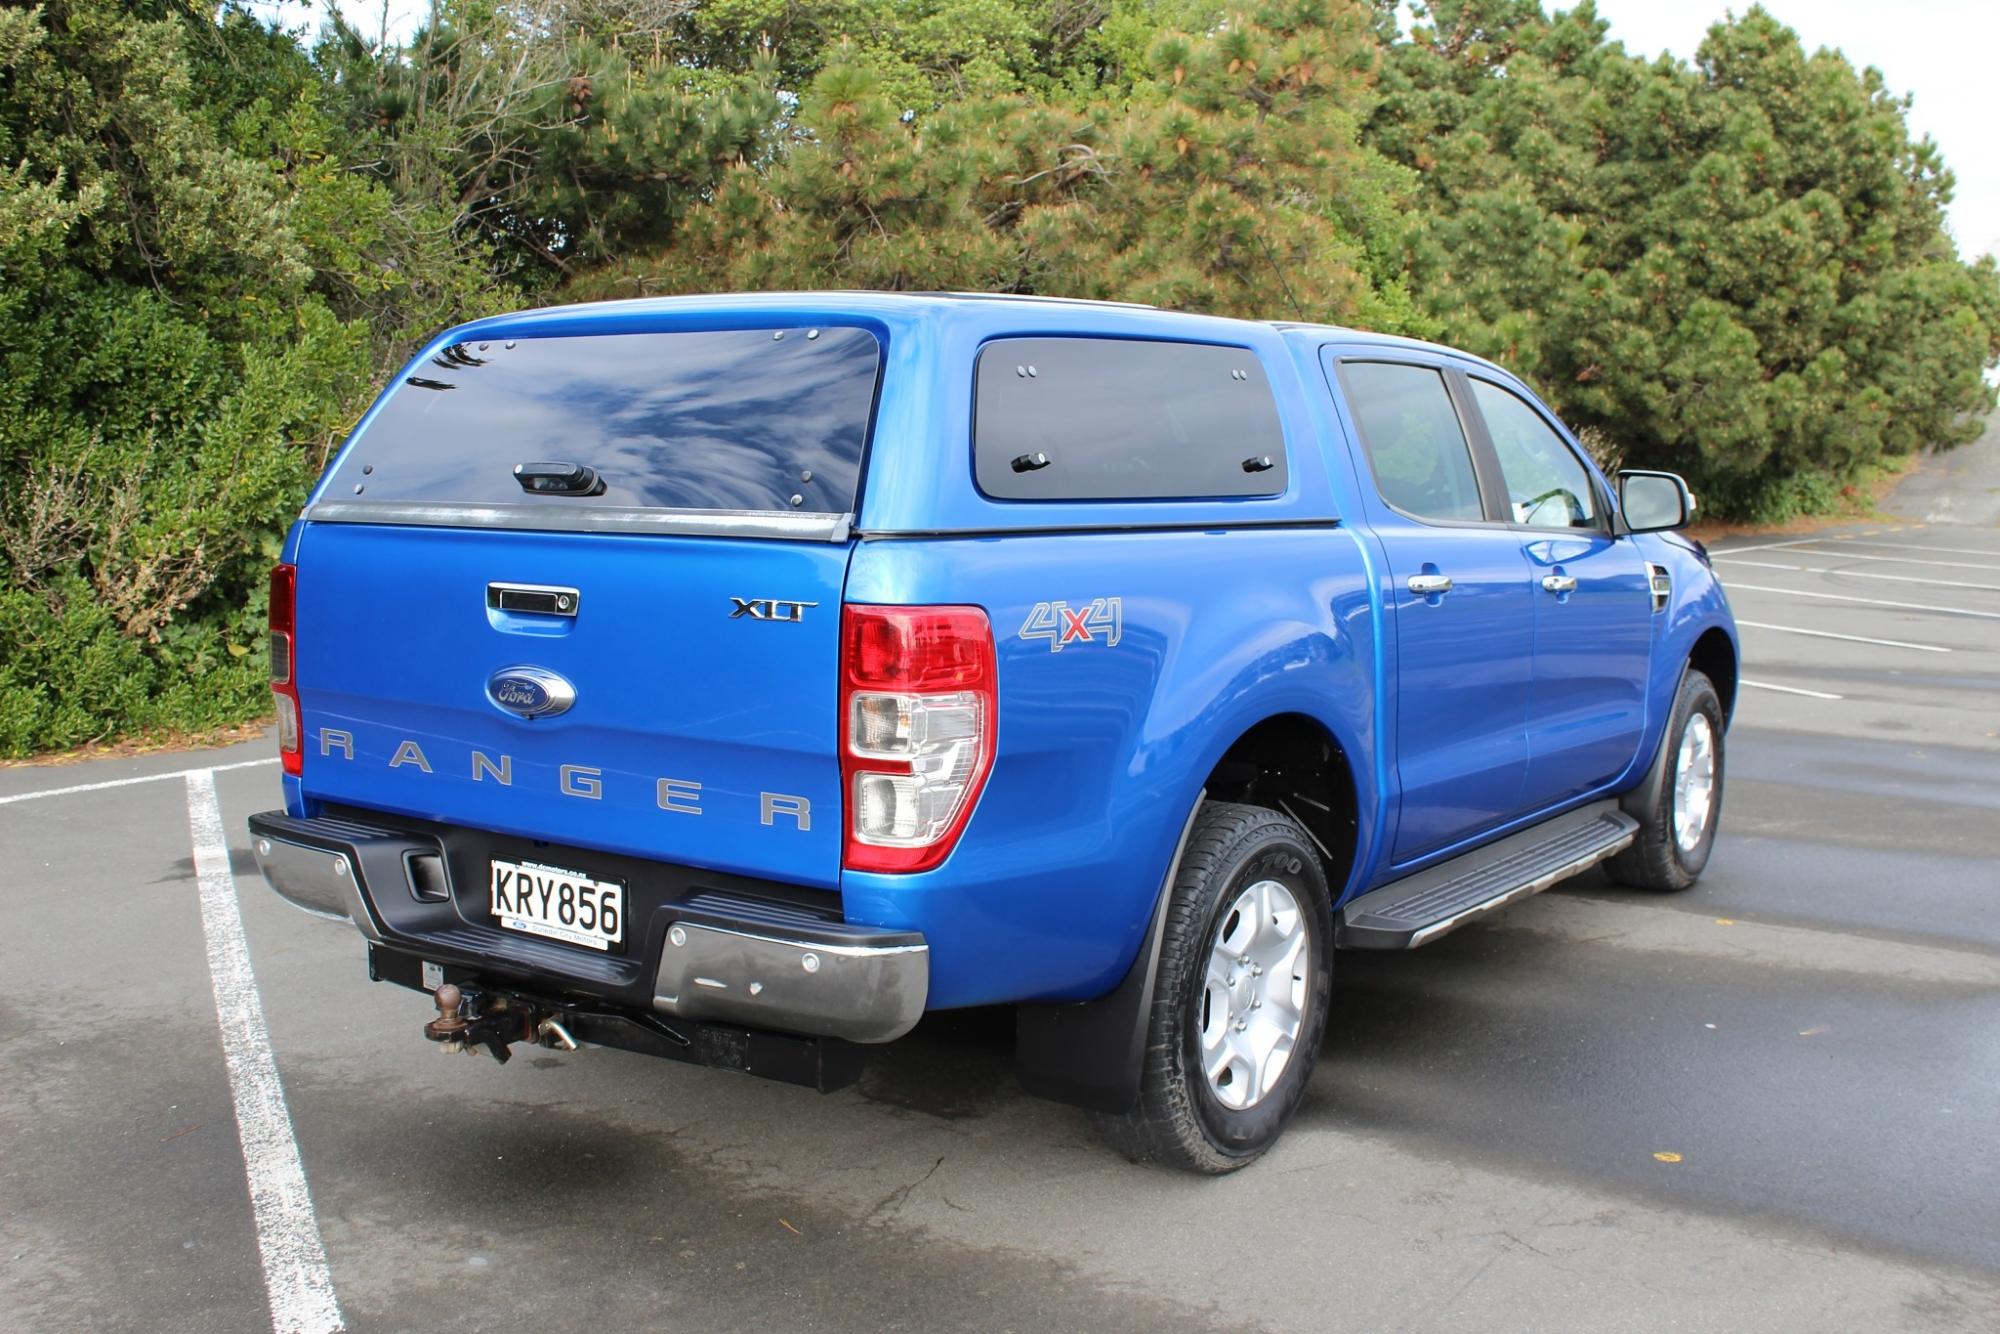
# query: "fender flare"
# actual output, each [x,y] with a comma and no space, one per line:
[1090,1053]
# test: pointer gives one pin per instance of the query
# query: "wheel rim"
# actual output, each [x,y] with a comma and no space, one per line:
[1694,782]
[1254,997]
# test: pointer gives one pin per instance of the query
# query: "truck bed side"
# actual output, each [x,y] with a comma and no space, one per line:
[1105,742]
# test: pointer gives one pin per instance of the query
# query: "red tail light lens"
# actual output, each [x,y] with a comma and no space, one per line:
[918,708]
[284,615]
[284,654]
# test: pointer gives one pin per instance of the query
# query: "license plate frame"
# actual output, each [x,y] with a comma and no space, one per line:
[532,901]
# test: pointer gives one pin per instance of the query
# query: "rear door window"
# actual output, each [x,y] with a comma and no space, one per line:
[1414,440]
[1124,419]
[729,420]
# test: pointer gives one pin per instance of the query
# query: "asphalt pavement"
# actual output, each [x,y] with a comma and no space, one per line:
[1772,1102]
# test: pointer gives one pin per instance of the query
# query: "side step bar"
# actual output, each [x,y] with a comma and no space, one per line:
[1419,908]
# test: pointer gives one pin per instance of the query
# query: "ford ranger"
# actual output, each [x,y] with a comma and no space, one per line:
[736,679]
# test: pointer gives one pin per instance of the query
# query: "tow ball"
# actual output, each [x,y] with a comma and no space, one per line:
[469,1019]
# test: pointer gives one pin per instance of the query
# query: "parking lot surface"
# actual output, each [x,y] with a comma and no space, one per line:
[1772,1102]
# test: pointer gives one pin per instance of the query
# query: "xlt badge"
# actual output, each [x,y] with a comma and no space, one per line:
[530,692]
[769,609]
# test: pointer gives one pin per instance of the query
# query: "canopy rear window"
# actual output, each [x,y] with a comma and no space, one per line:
[1124,419]
[770,420]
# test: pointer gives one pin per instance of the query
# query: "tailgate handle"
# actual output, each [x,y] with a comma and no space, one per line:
[534,599]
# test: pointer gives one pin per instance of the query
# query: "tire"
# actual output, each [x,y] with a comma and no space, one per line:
[1183,1118]
[1663,857]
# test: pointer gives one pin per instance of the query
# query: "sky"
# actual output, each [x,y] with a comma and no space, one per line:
[1940,51]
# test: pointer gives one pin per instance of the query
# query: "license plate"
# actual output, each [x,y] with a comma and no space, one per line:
[559,904]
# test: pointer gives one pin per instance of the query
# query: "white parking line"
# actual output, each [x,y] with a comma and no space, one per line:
[1787,690]
[128,782]
[1873,602]
[1852,639]
[1893,560]
[1859,574]
[1766,546]
[297,1281]
[1915,546]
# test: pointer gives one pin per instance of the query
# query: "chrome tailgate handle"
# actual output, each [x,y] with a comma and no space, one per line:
[535,599]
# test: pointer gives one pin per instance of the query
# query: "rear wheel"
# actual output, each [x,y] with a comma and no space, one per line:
[1239,1005]
[1680,803]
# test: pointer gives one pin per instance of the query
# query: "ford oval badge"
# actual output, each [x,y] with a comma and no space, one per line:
[530,692]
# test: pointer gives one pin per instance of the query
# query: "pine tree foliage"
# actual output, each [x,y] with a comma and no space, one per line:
[193,291]
[560,133]
[1737,270]
[1228,176]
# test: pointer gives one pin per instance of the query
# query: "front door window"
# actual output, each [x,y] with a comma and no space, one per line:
[1547,486]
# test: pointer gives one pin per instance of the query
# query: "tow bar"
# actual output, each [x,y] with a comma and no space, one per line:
[474,1014]
[469,1018]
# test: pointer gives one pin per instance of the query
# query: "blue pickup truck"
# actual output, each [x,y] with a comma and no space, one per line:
[735,679]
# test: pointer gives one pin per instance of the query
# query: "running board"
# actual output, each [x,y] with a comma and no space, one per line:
[1419,908]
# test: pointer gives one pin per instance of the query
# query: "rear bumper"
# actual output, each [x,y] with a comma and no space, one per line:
[698,951]
[313,878]
[864,992]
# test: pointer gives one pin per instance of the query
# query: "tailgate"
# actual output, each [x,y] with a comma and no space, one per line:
[579,579]
[696,736]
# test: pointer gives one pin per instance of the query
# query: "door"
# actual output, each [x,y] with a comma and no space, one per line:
[1460,608]
[1592,604]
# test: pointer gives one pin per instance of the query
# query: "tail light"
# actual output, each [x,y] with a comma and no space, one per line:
[284,689]
[918,700]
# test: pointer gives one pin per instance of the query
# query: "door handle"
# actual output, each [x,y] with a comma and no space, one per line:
[1559,583]
[1430,585]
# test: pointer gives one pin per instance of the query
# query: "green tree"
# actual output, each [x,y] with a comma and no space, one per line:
[554,133]
[1737,269]
[1229,177]
[926,53]
[190,291]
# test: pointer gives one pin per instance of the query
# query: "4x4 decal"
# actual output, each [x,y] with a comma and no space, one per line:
[1101,621]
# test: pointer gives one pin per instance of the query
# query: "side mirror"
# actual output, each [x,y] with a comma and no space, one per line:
[1654,501]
